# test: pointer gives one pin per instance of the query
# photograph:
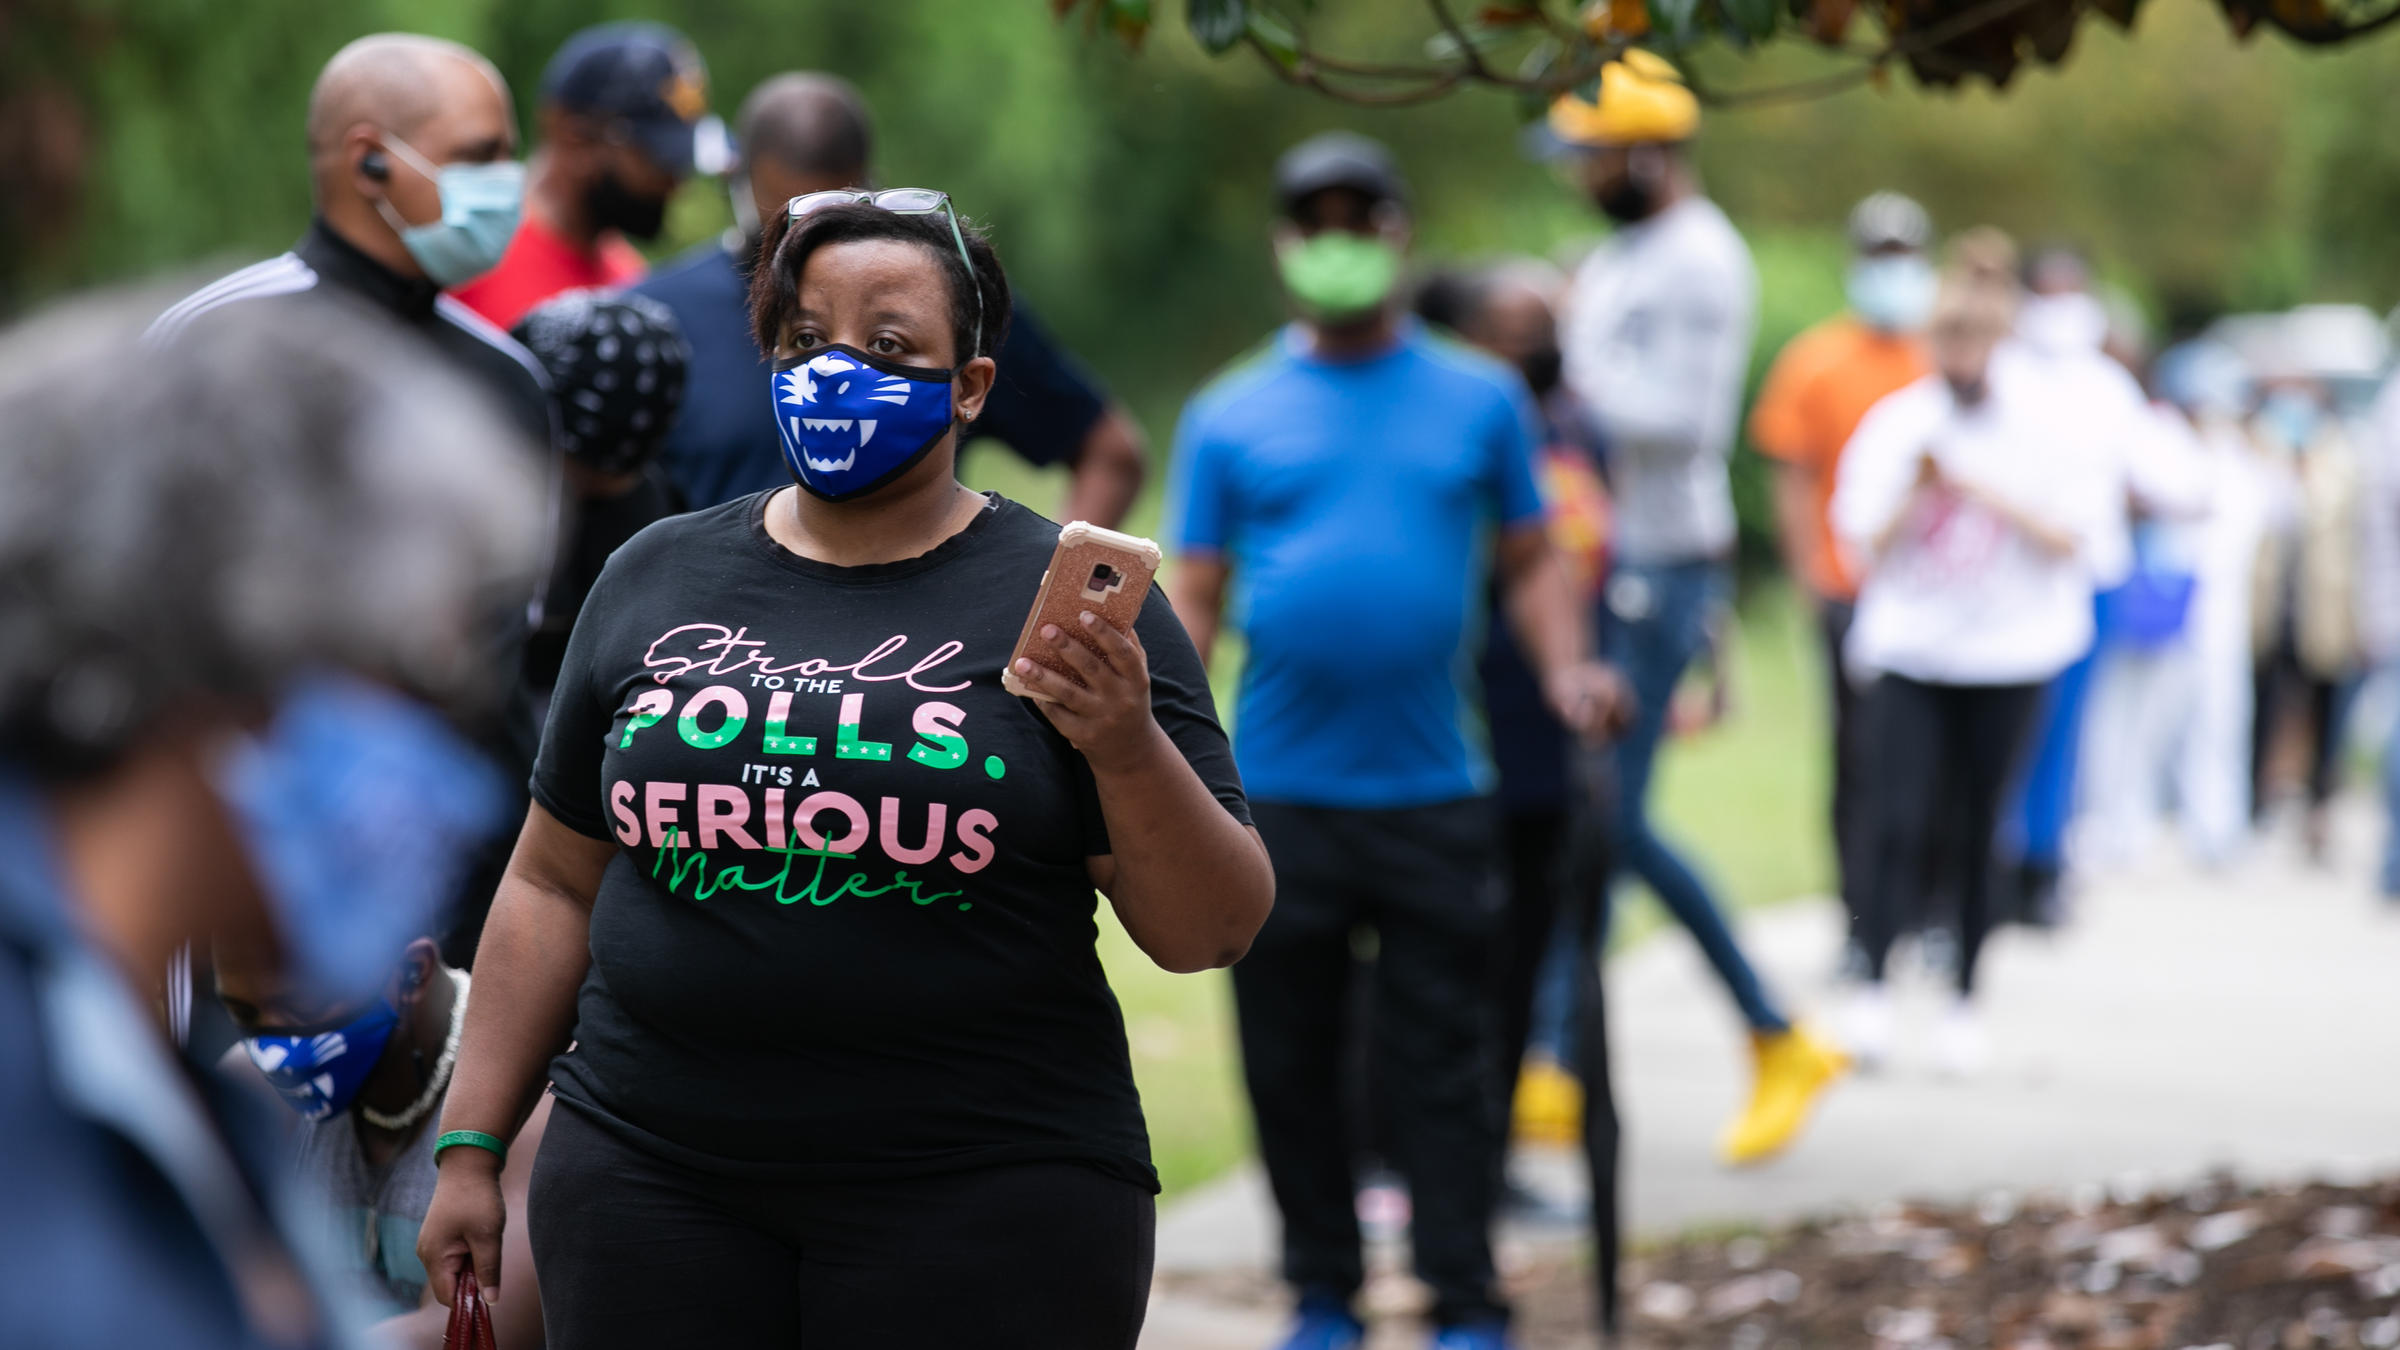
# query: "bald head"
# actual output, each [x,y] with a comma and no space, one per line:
[394,80]
[441,101]
[809,124]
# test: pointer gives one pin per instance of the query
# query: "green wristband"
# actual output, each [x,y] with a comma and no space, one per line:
[490,1143]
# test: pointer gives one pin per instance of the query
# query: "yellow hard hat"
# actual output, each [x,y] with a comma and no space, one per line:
[1642,101]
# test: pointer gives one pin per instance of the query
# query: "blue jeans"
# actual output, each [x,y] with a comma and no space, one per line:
[1662,616]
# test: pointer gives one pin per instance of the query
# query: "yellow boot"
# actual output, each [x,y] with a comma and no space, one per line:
[1793,1066]
[1549,1105]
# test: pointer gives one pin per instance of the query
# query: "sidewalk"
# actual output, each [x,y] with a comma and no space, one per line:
[2185,1021]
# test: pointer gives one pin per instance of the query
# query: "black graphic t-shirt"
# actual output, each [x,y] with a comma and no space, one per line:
[849,931]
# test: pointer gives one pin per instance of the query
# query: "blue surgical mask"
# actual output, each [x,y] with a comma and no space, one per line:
[851,422]
[360,810]
[320,1072]
[2291,417]
[1892,294]
[480,207]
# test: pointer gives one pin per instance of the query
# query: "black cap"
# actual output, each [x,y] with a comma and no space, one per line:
[1338,159]
[648,78]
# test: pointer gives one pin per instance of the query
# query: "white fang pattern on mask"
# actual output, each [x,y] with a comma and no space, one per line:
[866,433]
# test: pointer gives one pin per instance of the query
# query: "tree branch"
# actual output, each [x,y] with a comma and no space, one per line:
[1466,45]
[1304,72]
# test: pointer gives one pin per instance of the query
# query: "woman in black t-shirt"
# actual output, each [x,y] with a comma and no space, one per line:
[812,896]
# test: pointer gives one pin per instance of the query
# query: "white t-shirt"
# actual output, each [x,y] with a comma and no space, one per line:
[1655,341]
[1960,595]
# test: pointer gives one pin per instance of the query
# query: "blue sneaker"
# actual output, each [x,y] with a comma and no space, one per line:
[1480,1336]
[1324,1323]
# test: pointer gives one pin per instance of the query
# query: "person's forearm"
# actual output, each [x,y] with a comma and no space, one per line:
[1196,591]
[1551,628]
[1192,884]
[535,950]
[1109,470]
[1200,626]
[1796,522]
[2051,539]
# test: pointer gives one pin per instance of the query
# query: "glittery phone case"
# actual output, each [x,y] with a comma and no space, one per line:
[1104,571]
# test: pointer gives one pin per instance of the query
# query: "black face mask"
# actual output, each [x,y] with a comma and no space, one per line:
[609,206]
[1542,370]
[1970,393]
[1627,200]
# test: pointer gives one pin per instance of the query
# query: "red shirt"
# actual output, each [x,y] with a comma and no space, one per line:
[539,264]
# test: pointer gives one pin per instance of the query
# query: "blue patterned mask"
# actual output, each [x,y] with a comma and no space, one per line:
[360,810]
[851,422]
[320,1073]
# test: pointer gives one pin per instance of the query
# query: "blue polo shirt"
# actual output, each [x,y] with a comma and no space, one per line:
[1356,502]
[723,444]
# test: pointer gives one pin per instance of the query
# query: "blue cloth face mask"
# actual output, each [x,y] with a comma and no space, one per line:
[319,1072]
[851,422]
[359,809]
[480,207]
[1892,294]
[2291,417]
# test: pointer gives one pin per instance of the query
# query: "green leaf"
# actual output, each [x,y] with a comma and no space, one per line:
[1533,97]
[1217,24]
[1673,18]
[1539,62]
[1444,47]
[1281,43]
[1129,20]
[1755,18]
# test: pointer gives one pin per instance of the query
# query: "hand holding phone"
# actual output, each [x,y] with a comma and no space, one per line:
[1094,570]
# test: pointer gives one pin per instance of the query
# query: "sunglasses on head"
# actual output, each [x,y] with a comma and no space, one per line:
[900,202]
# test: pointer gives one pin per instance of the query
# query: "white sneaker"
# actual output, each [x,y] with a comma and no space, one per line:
[1958,1043]
[1865,1026]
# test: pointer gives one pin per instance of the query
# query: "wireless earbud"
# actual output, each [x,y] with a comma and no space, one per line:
[375,166]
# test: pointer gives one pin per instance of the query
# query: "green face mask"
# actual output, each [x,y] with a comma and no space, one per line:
[1335,274]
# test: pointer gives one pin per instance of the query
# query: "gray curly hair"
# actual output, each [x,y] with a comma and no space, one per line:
[198,520]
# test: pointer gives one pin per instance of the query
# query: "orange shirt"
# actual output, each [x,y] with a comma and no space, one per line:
[539,264]
[1819,387]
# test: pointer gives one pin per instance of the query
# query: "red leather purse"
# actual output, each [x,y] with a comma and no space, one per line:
[470,1318]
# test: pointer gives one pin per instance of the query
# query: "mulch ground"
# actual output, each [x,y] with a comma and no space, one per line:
[2217,1265]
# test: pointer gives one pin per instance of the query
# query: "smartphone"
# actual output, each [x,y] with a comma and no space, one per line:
[1103,571]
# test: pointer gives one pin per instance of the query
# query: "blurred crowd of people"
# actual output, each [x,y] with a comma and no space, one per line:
[268,735]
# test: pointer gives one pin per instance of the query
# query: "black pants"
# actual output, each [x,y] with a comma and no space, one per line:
[1559,864]
[636,1252]
[2277,683]
[1422,879]
[1938,751]
[1853,836]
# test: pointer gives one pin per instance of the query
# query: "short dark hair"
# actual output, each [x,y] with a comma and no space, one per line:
[1450,297]
[810,122]
[785,250]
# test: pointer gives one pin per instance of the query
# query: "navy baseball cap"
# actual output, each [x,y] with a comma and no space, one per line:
[1338,159]
[649,79]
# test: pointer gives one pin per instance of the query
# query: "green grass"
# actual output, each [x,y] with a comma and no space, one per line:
[1746,800]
